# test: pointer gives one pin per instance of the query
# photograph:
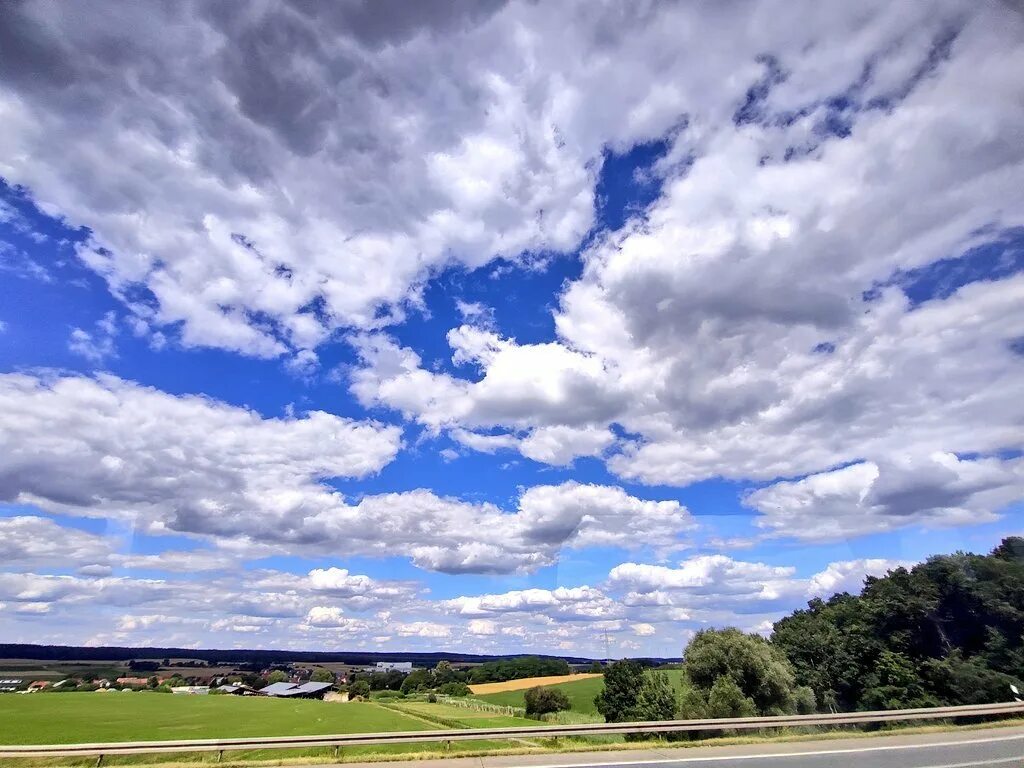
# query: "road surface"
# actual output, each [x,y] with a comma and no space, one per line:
[1000,747]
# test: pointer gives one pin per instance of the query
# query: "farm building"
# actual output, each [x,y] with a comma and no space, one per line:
[191,690]
[397,666]
[293,691]
[235,690]
[138,681]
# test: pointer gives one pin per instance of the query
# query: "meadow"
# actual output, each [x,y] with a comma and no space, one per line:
[68,718]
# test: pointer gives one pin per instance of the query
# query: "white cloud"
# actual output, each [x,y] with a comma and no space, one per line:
[849,575]
[482,627]
[107,447]
[332,617]
[186,465]
[30,541]
[179,561]
[98,344]
[727,331]
[333,157]
[423,629]
[702,578]
[571,603]
[936,490]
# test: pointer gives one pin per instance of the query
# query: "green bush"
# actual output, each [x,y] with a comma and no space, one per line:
[540,701]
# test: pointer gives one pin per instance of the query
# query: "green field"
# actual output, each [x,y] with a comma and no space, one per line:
[460,717]
[581,693]
[67,718]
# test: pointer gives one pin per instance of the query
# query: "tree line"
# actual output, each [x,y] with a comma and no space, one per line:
[947,631]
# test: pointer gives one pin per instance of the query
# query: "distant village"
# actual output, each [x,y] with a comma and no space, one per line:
[279,680]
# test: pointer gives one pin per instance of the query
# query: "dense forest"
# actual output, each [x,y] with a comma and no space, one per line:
[947,631]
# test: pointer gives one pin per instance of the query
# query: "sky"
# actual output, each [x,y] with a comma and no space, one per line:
[499,327]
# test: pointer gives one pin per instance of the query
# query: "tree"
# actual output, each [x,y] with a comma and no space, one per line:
[322,675]
[726,699]
[947,631]
[394,679]
[454,689]
[657,699]
[359,689]
[759,670]
[418,680]
[541,700]
[443,673]
[277,676]
[622,683]
[514,669]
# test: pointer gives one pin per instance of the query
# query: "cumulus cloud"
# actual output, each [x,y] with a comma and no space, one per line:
[108,447]
[186,465]
[575,603]
[716,577]
[849,575]
[28,541]
[936,490]
[429,629]
[96,345]
[719,589]
[332,617]
[758,320]
[274,175]
[306,157]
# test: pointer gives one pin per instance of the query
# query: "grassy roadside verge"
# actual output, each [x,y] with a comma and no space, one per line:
[389,753]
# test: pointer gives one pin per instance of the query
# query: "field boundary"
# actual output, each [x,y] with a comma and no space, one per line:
[523,683]
[480,734]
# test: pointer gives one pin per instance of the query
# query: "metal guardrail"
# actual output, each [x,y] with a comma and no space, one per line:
[476,734]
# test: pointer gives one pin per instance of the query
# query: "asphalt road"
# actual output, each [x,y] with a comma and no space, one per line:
[965,749]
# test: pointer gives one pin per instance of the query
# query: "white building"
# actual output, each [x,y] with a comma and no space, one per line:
[397,666]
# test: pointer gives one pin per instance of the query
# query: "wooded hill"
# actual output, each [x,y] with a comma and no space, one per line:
[947,631]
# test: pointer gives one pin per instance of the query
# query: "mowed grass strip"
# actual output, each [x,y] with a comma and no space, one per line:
[462,717]
[528,682]
[73,718]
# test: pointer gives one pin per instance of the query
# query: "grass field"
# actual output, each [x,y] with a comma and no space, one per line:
[459,717]
[527,682]
[67,718]
[581,692]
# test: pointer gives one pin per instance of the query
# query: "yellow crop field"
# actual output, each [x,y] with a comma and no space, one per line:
[529,682]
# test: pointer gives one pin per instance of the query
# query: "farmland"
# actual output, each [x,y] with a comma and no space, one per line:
[459,717]
[66,718]
[581,690]
[521,684]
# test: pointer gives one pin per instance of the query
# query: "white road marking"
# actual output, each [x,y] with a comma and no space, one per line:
[772,755]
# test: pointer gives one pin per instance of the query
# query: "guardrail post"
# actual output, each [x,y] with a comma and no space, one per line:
[220,755]
[336,748]
[448,745]
[99,761]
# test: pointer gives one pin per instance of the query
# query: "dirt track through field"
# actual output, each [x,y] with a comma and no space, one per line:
[529,682]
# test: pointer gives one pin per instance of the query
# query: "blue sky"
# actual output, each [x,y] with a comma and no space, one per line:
[377,349]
